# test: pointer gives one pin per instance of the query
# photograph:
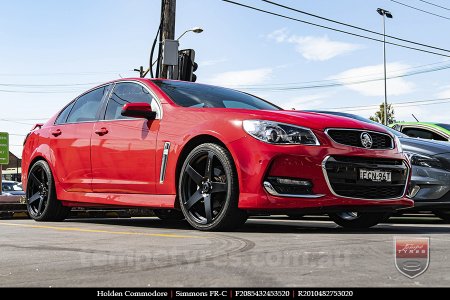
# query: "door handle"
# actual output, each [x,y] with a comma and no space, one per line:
[56,132]
[102,131]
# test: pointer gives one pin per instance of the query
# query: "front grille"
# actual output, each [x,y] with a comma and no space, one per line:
[352,137]
[343,177]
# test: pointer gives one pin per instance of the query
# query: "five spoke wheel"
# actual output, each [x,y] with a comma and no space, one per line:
[42,203]
[37,191]
[205,187]
[208,189]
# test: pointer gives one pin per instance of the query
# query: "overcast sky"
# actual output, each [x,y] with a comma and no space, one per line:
[51,51]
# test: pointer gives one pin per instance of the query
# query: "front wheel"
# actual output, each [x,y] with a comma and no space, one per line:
[209,189]
[42,204]
[357,220]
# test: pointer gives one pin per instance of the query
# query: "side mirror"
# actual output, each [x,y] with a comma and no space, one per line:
[138,110]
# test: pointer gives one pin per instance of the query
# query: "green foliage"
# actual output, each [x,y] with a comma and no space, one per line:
[379,115]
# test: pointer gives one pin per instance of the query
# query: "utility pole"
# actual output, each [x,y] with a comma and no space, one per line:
[385,14]
[168,30]
[386,119]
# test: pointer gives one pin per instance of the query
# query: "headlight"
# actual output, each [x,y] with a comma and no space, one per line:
[279,133]
[423,160]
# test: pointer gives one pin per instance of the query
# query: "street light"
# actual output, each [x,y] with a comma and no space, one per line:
[194,30]
[385,14]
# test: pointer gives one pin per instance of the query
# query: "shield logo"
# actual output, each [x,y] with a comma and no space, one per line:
[412,255]
[366,140]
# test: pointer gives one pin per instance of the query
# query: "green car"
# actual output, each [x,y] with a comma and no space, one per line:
[429,131]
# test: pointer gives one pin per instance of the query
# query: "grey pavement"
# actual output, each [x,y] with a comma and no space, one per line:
[265,252]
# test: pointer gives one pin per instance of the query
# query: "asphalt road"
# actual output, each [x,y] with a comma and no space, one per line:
[266,252]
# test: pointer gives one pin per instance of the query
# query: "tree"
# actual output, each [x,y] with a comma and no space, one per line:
[379,115]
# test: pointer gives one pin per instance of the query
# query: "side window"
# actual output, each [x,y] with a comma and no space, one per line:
[128,92]
[64,114]
[86,107]
[423,133]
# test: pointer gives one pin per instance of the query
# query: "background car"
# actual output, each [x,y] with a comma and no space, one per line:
[12,198]
[429,131]
[12,188]
[210,155]
[430,182]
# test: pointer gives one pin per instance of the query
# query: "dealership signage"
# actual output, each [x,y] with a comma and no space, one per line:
[4,148]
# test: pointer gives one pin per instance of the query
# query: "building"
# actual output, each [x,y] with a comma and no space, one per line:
[13,170]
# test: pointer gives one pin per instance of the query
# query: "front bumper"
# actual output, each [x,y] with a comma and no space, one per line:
[434,187]
[256,161]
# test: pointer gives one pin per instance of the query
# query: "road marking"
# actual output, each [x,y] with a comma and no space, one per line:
[100,231]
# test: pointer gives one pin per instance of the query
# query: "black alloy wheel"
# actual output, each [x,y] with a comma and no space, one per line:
[209,191]
[42,204]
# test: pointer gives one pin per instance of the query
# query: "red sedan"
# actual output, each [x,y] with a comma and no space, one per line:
[210,155]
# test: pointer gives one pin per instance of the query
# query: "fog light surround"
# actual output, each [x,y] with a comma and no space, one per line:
[289,187]
[413,191]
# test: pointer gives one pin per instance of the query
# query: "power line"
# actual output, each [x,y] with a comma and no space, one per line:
[62,73]
[422,10]
[421,102]
[39,92]
[340,84]
[406,105]
[17,122]
[19,119]
[434,4]
[353,26]
[351,77]
[48,85]
[333,29]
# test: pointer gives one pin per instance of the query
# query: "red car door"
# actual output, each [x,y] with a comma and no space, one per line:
[71,141]
[123,149]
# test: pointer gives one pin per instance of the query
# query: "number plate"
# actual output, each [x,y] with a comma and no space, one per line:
[375,175]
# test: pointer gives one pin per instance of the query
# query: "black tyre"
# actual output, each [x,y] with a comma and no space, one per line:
[42,204]
[209,189]
[169,214]
[443,214]
[357,220]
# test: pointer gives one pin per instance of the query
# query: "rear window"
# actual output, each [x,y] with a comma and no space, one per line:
[62,118]
[86,107]
[188,94]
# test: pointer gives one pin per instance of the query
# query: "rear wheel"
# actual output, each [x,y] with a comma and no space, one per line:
[169,214]
[444,215]
[42,204]
[357,220]
[209,189]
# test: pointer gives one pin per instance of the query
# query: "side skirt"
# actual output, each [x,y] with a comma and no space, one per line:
[128,200]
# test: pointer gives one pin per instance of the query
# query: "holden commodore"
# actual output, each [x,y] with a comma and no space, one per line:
[210,155]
